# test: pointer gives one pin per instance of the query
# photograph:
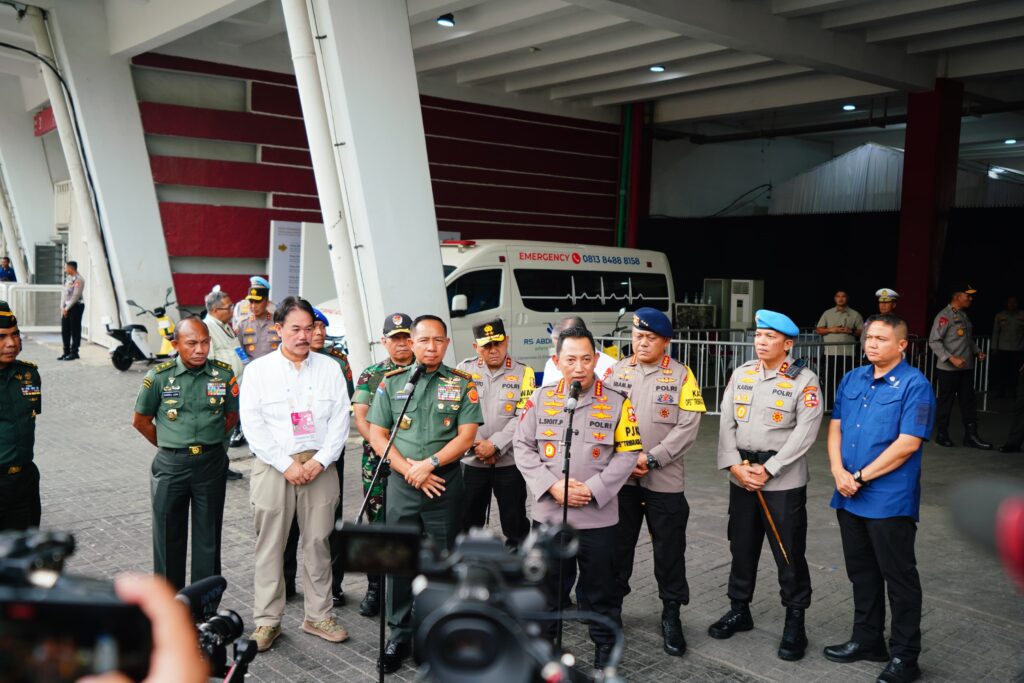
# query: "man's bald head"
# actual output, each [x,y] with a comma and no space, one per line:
[192,342]
[567,323]
[187,324]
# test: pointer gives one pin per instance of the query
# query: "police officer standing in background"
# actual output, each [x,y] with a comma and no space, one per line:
[668,407]
[886,300]
[398,343]
[952,342]
[504,386]
[604,452]
[21,399]
[1007,349]
[882,416]
[425,487]
[185,408]
[257,332]
[771,411]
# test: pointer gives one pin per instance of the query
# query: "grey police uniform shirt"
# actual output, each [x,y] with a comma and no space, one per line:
[833,317]
[603,454]
[766,410]
[952,335]
[668,408]
[1008,331]
[503,395]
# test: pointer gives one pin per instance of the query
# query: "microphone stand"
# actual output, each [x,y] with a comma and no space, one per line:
[567,445]
[381,474]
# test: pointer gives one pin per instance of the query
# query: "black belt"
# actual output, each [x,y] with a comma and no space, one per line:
[756,457]
[198,449]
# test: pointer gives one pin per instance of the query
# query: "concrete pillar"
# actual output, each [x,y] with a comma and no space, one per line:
[929,190]
[373,101]
[25,175]
[111,127]
[328,183]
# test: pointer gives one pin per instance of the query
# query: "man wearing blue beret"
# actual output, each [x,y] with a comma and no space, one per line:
[771,411]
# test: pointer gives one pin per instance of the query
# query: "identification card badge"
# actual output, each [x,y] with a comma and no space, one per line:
[240,352]
[303,426]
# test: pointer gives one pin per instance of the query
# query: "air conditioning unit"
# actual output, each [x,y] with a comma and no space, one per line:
[745,297]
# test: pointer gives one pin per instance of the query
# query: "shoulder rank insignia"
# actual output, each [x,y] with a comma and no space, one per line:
[221,364]
[461,373]
[397,371]
[337,353]
[163,367]
[28,363]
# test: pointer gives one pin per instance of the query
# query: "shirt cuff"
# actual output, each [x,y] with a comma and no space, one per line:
[280,462]
[600,491]
[325,458]
[773,466]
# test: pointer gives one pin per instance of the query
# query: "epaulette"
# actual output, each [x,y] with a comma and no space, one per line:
[461,373]
[28,363]
[221,364]
[796,368]
[164,366]
[398,371]
[337,353]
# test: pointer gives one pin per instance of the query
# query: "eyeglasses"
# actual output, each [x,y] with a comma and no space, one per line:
[222,308]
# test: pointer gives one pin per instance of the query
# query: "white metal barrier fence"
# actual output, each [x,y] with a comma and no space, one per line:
[712,355]
[37,307]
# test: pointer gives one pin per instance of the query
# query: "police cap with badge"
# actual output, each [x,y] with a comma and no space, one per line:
[652,320]
[7,318]
[489,332]
[258,293]
[397,323]
[886,295]
[963,288]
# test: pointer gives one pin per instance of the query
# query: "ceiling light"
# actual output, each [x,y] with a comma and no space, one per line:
[849,107]
[1010,141]
[657,68]
[446,20]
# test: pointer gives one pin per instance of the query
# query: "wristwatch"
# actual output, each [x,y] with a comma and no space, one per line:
[652,462]
[858,478]
[435,462]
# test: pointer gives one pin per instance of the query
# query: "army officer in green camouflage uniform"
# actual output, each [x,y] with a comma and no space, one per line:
[20,401]
[185,408]
[425,486]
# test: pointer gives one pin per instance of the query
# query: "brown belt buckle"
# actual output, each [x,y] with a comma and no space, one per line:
[195,450]
[14,469]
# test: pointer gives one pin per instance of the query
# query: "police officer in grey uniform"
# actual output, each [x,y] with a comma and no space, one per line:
[771,411]
[184,408]
[504,386]
[1007,348]
[604,452]
[952,342]
[668,407]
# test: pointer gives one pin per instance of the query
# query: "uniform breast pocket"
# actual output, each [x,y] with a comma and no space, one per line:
[599,444]
[550,432]
[887,413]
[741,405]
[778,416]
[665,413]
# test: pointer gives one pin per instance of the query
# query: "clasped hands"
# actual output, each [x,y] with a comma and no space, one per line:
[485,452]
[579,493]
[301,474]
[845,483]
[420,475]
[751,477]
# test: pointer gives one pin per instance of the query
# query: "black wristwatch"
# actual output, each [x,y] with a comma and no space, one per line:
[858,477]
[435,462]
[652,462]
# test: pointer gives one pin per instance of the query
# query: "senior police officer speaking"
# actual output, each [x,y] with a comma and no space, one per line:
[602,457]
[882,416]
[668,407]
[771,411]
[185,408]
[425,487]
[21,399]
[504,386]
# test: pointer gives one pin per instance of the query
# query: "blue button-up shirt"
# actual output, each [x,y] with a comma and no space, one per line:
[873,413]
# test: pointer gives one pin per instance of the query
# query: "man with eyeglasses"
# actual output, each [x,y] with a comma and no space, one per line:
[224,344]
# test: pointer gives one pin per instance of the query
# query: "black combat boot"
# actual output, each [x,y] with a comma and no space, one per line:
[672,629]
[794,639]
[736,619]
[942,437]
[370,606]
[972,440]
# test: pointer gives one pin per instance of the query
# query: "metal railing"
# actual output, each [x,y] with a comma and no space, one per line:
[37,307]
[713,355]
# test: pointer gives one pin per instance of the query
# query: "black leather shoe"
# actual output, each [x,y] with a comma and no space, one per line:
[672,630]
[601,654]
[370,606]
[63,356]
[736,619]
[794,638]
[393,656]
[1009,448]
[900,671]
[852,651]
[972,440]
[942,439]
[338,598]
[234,475]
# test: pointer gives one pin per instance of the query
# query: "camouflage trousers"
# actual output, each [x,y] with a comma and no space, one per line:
[370,461]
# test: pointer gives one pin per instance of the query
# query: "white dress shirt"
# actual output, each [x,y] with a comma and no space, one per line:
[275,389]
[605,363]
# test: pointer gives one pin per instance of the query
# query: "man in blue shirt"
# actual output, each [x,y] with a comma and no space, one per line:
[6,272]
[883,413]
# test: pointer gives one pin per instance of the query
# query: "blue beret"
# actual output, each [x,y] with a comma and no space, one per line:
[317,315]
[257,281]
[652,320]
[770,320]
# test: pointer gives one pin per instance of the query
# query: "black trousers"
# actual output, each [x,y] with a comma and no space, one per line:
[596,579]
[747,529]
[958,384]
[20,507]
[880,558]
[666,514]
[71,328]
[1016,436]
[509,488]
[1005,364]
[291,546]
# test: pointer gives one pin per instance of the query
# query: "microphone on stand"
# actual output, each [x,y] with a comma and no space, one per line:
[414,377]
[574,396]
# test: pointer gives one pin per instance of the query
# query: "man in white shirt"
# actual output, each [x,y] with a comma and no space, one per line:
[605,363]
[296,412]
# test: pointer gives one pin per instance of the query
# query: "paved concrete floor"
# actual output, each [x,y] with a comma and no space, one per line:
[95,483]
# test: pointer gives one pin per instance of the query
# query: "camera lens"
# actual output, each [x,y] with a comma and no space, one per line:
[468,644]
[222,628]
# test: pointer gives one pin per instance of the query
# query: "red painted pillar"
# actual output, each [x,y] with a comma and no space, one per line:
[639,196]
[929,188]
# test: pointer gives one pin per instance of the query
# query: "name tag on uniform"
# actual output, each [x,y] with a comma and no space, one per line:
[170,392]
[303,426]
[216,389]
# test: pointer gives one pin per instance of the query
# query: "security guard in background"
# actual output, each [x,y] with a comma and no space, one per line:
[771,411]
[184,408]
[504,386]
[398,343]
[425,487]
[952,342]
[21,399]
[605,447]
[668,405]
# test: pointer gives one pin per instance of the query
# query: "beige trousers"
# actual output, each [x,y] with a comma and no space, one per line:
[274,502]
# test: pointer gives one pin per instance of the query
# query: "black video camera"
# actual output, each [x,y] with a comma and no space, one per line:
[216,629]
